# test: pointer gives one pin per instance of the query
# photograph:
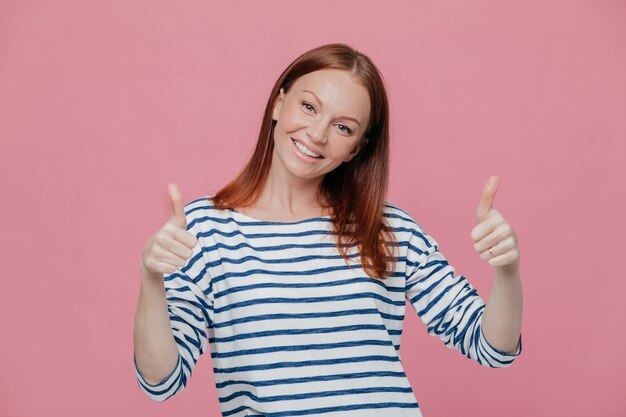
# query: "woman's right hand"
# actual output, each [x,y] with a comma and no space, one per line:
[172,245]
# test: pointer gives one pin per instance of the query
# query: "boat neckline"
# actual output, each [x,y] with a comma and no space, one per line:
[310,219]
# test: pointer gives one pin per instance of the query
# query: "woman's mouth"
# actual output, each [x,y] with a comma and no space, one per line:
[304,151]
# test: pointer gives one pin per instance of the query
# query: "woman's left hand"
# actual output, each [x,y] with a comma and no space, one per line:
[494,239]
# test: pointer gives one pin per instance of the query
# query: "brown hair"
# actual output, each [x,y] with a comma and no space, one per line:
[358,185]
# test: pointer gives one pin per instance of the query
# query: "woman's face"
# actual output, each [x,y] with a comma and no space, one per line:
[320,123]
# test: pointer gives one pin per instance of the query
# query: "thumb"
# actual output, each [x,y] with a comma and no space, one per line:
[486,201]
[178,210]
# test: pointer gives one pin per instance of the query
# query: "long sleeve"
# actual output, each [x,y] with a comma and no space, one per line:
[448,304]
[189,297]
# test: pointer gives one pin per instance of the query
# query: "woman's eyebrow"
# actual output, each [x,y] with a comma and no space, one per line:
[322,105]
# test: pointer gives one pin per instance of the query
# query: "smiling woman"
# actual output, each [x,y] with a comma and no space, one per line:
[296,273]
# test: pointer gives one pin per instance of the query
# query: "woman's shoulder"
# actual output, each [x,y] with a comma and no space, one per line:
[399,217]
[200,205]
[406,228]
[202,213]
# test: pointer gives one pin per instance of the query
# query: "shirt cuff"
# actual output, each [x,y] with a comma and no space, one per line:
[495,357]
[161,387]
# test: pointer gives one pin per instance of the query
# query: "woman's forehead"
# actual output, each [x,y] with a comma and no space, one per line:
[336,88]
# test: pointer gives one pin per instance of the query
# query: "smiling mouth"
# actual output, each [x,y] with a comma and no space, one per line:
[305,151]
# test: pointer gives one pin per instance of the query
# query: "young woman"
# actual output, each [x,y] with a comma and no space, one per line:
[295,274]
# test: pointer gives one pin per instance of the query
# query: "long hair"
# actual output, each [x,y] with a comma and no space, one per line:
[355,190]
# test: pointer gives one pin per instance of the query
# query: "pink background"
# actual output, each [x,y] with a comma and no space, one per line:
[103,103]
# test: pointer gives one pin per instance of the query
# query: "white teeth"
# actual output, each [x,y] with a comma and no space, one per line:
[305,150]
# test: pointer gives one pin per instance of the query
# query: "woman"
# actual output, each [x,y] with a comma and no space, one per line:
[299,268]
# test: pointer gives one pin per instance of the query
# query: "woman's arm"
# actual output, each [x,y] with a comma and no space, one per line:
[496,241]
[155,353]
[174,305]
[502,319]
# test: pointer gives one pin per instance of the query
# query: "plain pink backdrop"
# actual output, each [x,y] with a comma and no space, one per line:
[103,103]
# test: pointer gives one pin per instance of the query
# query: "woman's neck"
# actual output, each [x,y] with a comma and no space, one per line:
[288,197]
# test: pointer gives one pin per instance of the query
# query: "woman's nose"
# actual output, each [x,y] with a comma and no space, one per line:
[317,132]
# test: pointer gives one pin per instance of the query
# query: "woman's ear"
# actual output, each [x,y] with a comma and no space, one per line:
[277,103]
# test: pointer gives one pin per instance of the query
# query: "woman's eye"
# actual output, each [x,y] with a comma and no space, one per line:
[345,129]
[308,106]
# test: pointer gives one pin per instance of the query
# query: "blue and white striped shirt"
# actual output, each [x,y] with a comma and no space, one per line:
[294,332]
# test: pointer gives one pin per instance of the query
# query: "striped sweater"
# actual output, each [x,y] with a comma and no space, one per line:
[293,331]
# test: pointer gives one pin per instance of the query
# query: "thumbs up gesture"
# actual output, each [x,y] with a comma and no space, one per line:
[172,245]
[494,239]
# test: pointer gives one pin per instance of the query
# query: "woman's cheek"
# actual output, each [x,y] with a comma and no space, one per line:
[298,119]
